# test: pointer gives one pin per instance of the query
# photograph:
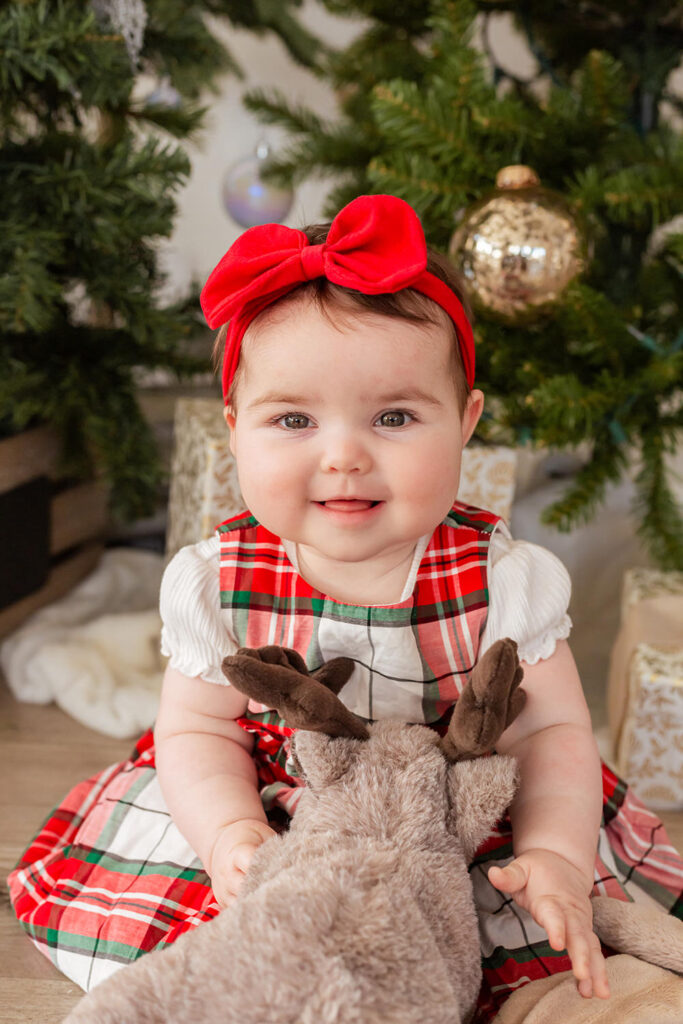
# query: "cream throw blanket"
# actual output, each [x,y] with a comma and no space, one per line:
[95,652]
[641,994]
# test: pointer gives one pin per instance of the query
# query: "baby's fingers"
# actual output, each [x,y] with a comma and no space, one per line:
[570,930]
[511,878]
[588,963]
[241,857]
[548,912]
[228,882]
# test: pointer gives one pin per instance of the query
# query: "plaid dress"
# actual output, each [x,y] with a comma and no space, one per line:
[109,877]
[411,658]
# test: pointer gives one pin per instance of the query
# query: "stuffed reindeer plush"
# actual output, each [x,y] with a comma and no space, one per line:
[362,912]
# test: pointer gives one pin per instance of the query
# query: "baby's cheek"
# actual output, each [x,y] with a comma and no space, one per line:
[437,471]
[269,488]
[257,469]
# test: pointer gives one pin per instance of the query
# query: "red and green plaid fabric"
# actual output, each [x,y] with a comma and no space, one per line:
[108,877]
[412,658]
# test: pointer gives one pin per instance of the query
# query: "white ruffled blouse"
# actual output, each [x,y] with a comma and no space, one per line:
[529,590]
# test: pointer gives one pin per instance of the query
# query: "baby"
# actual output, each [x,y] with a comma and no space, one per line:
[348,375]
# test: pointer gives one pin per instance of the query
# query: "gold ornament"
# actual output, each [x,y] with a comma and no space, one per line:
[518,247]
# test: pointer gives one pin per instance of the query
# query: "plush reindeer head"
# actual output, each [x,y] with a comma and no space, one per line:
[390,779]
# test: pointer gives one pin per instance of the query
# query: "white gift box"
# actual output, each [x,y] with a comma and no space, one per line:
[645,691]
[205,491]
[650,753]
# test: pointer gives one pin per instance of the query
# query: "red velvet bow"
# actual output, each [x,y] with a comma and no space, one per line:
[375,245]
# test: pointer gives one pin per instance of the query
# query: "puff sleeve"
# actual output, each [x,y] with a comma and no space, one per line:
[194,635]
[529,591]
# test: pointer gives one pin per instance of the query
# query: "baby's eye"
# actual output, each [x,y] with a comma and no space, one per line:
[394,418]
[293,421]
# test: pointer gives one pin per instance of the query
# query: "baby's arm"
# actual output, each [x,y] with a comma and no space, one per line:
[208,777]
[556,814]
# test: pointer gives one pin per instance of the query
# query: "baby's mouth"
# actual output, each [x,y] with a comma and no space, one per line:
[348,504]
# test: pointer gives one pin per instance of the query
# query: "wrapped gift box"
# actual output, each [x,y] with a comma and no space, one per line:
[645,691]
[650,753]
[204,487]
[487,478]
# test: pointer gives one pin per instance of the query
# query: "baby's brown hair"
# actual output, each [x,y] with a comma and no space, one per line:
[406,304]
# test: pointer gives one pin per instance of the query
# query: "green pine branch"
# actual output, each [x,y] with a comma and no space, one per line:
[264,16]
[586,492]
[179,43]
[273,107]
[182,122]
[89,178]
[657,509]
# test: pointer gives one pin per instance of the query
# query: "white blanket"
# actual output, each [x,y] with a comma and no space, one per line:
[96,652]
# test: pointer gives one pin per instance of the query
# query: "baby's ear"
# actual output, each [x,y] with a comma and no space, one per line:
[323,759]
[480,792]
[472,414]
[229,417]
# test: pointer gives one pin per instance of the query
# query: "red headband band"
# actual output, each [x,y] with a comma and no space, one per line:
[375,245]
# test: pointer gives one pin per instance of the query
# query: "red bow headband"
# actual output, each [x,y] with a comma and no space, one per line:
[375,245]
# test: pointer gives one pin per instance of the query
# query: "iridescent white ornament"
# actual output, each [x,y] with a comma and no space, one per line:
[165,95]
[248,198]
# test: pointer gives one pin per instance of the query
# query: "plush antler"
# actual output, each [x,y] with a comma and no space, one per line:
[489,703]
[278,677]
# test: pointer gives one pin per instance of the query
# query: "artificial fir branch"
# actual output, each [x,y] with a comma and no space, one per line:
[183,122]
[658,512]
[274,108]
[321,149]
[89,178]
[392,44]
[587,489]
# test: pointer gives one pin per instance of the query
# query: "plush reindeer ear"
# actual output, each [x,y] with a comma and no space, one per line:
[480,791]
[488,704]
[481,788]
[321,759]
[278,677]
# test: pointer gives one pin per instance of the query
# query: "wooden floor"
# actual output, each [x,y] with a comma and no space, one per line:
[43,752]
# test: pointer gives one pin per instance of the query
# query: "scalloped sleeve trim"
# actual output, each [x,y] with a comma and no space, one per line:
[529,591]
[194,635]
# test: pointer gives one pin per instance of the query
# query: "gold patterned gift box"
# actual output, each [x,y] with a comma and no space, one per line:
[651,744]
[204,487]
[645,691]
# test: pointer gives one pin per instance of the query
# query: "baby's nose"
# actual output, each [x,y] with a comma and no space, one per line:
[345,453]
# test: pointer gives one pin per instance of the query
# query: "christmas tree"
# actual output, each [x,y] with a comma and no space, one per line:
[392,43]
[89,175]
[604,366]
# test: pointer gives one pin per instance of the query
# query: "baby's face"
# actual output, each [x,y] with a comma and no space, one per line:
[348,439]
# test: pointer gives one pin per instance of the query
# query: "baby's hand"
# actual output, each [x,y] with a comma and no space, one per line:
[234,847]
[557,895]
